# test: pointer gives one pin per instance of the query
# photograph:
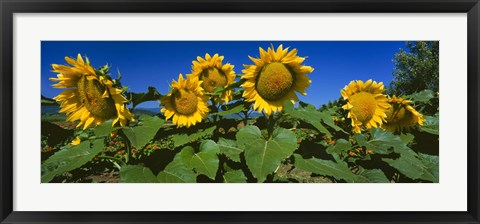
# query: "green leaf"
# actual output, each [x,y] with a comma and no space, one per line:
[339,171]
[206,161]
[422,96]
[70,158]
[217,91]
[407,138]
[409,166]
[374,176]
[105,129]
[177,171]
[137,98]
[308,113]
[415,166]
[234,176]
[264,156]
[328,120]
[230,149]
[182,139]
[146,129]
[431,163]
[430,125]
[234,110]
[382,142]
[340,146]
[137,174]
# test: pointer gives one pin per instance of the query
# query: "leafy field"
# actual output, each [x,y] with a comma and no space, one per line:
[218,126]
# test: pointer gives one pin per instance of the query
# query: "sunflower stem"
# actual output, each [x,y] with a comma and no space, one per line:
[271,124]
[246,116]
[127,145]
[216,110]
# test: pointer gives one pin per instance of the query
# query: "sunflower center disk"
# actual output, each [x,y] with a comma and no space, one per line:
[185,102]
[90,94]
[396,114]
[212,78]
[274,81]
[364,106]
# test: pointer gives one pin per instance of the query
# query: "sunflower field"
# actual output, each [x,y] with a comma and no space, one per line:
[216,126]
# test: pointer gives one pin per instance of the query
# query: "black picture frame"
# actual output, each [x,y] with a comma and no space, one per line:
[9,7]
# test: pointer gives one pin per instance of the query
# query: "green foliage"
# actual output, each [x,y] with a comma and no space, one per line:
[144,131]
[178,171]
[105,129]
[430,125]
[137,174]
[381,142]
[413,168]
[264,156]
[373,176]
[230,149]
[233,110]
[416,69]
[234,176]
[341,145]
[339,171]
[137,98]
[423,96]
[308,113]
[206,161]
[183,139]
[70,158]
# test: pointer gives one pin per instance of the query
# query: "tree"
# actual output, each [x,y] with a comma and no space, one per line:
[416,69]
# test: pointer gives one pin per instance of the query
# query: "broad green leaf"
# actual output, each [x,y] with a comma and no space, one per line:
[374,176]
[186,155]
[217,91]
[339,171]
[411,165]
[430,125]
[407,138]
[182,139]
[340,146]
[264,156]
[382,142]
[230,149]
[328,120]
[206,161]
[306,116]
[422,96]
[177,171]
[70,158]
[309,114]
[137,174]
[234,110]
[146,129]
[431,163]
[234,176]
[137,98]
[105,129]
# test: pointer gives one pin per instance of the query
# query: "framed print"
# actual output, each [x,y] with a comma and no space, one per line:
[237,111]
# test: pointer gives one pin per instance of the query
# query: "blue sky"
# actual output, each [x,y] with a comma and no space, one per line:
[157,63]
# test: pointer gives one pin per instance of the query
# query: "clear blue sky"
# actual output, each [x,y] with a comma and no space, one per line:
[156,63]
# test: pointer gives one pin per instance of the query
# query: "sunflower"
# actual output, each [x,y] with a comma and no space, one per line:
[401,115]
[214,73]
[274,78]
[366,104]
[76,141]
[90,97]
[186,102]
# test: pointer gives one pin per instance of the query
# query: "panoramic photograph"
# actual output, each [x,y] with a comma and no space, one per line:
[240,112]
